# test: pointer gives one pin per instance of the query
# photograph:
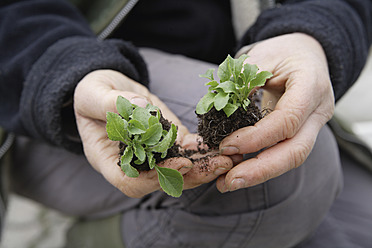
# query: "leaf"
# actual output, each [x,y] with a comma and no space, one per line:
[236,66]
[124,107]
[221,100]
[170,180]
[260,79]
[142,115]
[228,87]
[249,73]
[127,156]
[229,109]
[212,85]
[246,103]
[139,151]
[165,143]
[116,127]
[153,120]
[151,108]
[205,104]
[129,170]
[223,71]
[208,74]
[152,135]
[136,127]
[174,135]
[151,160]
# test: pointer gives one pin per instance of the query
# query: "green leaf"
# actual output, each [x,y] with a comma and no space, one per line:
[153,120]
[221,100]
[205,104]
[151,108]
[151,160]
[246,103]
[174,135]
[260,79]
[208,74]
[124,107]
[127,156]
[142,115]
[152,135]
[212,85]
[165,143]
[223,71]
[136,127]
[139,151]
[236,66]
[228,87]
[229,109]
[129,170]
[249,72]
[116,127]
[171,181]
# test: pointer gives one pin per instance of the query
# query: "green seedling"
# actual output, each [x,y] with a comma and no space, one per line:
[237,80]
[142,133]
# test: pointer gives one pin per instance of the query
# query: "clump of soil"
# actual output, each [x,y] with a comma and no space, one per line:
[214,126]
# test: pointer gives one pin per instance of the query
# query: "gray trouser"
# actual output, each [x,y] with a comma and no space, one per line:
[281,213]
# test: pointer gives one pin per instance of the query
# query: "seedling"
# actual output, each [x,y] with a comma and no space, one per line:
[237,80]
[143,135]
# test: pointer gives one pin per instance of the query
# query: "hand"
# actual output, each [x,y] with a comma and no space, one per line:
[305,102]
[96,94]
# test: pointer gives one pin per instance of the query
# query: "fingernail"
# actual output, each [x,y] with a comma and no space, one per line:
[186,169]
[236,184]
[229,150]
[224,189]
[139,101]
[220,171]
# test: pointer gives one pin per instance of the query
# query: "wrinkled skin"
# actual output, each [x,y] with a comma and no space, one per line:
[303,94]
[300,87]
[94,96]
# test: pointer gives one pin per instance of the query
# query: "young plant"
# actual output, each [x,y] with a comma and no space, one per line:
[237,80]
[144,137]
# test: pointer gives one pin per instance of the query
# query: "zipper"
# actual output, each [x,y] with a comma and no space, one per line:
[117,20]
[7,144]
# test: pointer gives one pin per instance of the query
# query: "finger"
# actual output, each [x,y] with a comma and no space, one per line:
[95,102]
[274,161]
[291,111]
[207,169]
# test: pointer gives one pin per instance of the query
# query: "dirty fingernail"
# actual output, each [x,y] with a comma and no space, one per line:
[139,101]
[185,169]
[236,184]
[229,150]
[220,171]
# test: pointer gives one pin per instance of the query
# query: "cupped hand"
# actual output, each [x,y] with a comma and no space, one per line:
[96,94]
[303,94]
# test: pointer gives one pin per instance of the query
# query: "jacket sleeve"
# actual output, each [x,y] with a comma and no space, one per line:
[46,48]
[343,27]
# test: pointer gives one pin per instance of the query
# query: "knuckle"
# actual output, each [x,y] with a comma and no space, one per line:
[299,154]
[263,173]
[292,122]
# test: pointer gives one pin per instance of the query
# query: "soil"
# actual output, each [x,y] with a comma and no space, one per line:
[214,126]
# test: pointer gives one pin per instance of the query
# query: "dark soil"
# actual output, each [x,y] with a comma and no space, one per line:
[214,126]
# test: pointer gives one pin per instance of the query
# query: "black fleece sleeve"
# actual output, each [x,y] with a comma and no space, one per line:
[46,48]
[343,27]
